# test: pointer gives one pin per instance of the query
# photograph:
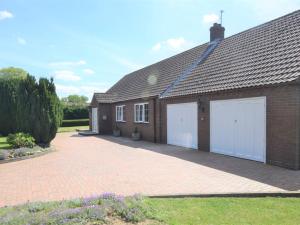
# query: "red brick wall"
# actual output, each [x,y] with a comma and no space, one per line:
[283,112]
[147,130]
[157,121]
[283,120]
[298,124]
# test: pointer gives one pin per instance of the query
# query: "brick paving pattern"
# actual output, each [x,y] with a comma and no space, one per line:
[86,166]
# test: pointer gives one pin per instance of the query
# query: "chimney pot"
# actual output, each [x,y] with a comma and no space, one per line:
[217,32]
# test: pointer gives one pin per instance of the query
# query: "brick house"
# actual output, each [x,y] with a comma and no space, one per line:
[238,96]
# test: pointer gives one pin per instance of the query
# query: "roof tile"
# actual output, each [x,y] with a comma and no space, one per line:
[266,54]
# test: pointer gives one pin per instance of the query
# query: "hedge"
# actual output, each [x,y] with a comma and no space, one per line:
[72,113]
[30,106]
[8,105]
[75,123]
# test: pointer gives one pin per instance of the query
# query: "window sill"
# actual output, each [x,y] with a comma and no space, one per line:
[141,122]
[120,121]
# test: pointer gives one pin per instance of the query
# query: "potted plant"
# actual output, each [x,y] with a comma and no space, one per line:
[136,135]
[116,131]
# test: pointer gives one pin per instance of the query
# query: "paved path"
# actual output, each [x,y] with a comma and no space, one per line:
[85,166]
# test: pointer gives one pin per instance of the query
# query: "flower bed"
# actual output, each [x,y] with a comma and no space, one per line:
[7,155]
[104,209]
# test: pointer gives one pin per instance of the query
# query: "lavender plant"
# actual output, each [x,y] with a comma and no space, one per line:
[91,210]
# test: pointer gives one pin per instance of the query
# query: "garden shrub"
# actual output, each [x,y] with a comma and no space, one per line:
[75,107]
[40,113]
[95,212]
[104,209]
[30,106]
[135,210]
[75,123]
[36,207]
[20,152]
[75,203]
[75,112]
[64,216]
[19,140]
[134,215]
[37,220]
[8,106]
[131,209]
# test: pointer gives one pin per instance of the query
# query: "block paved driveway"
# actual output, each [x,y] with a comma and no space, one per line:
[86,166]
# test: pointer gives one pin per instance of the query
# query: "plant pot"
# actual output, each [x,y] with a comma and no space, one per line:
[136,136]
[117,133]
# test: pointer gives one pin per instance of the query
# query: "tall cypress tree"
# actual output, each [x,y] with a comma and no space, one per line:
[49,111]
[8,98]
[31,107]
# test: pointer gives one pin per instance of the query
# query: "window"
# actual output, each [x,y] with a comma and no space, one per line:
[141,113]
[120,113]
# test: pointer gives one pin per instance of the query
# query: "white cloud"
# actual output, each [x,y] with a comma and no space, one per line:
[176,43]
[89,71]
[5,15]
[90,90]
[66,75]
[68,63]
[86,90]
[173,44]
[156,47]
[21,41]
[66,90]
[210,18]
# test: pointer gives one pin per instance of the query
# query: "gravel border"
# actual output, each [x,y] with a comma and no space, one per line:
[50,149]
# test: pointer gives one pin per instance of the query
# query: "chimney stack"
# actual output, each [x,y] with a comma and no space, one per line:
[217,32]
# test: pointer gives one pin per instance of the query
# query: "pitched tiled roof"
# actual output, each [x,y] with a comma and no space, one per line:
[154,79]
[267,54]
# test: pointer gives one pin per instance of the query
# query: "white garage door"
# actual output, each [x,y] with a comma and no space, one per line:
[182,125]
[238,128]
[95,120]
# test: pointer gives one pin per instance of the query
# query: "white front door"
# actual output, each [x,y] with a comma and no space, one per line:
[95,120]
[182,124]
[238,128]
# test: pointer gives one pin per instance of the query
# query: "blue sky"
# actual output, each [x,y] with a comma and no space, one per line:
[89,45]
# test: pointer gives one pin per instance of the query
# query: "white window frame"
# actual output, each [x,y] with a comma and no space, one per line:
[141,118]
[121,119]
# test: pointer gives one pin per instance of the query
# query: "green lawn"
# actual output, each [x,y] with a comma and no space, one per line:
[72,129]
[227,211]
[75,122]
[3,143]
[176,211]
